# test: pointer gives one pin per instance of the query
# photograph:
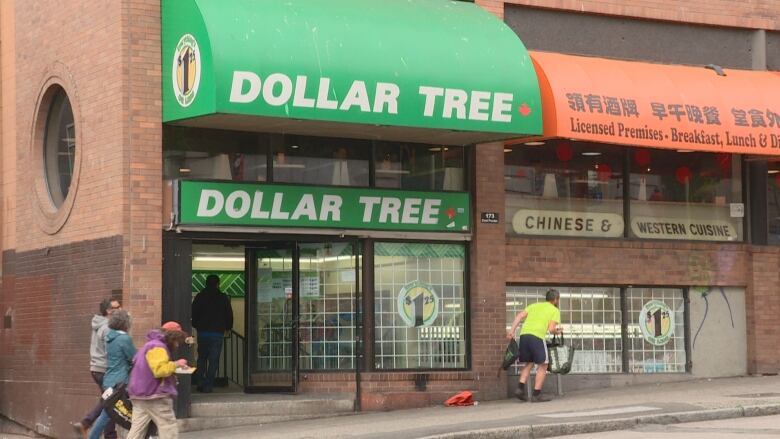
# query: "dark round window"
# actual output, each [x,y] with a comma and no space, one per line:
[59,147]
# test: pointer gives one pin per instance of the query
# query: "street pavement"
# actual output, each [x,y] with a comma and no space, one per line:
[632,409]
[764,427]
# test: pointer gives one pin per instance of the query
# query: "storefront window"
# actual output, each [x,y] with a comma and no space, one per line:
[564,188]
[656,330]
[207,154]
[419,306]
[685,195]
[328,282]
[591,319]
[214,154]
[419,167]
[773,202]
[321,161]
[568,188]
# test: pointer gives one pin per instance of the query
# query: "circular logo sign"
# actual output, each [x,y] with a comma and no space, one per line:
[418,304]
[186,70]
[656,320]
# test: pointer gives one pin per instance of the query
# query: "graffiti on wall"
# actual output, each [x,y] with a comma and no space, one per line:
[706,293]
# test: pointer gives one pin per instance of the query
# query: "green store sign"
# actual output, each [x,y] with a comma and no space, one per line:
[351,61]
[273,205]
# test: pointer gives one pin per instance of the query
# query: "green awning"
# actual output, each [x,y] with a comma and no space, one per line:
[378,65]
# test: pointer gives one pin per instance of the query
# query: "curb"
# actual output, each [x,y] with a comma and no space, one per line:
[551,430]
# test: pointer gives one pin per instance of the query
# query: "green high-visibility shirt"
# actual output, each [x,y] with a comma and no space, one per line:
[540,315]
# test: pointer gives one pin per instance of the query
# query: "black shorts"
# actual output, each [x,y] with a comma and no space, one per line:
[532,349]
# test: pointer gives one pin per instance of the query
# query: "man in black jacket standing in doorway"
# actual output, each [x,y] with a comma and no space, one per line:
[212,316]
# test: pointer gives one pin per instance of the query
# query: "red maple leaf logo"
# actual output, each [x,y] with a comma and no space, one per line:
[524,109]
[450,212]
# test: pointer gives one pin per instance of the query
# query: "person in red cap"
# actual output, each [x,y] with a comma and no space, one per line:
[153,383]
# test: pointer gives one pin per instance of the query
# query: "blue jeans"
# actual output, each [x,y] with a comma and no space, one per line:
[93,416]
[100,423]
[209,349]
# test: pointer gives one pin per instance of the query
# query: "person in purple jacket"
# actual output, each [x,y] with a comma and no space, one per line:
[153,383]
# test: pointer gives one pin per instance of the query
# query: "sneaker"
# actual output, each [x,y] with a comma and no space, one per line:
[521,395]
[80,429]
[539,398]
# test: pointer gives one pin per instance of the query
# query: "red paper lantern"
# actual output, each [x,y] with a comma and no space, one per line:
[642,157]
[683,174]
[564,152]
[604,172]
[724,163]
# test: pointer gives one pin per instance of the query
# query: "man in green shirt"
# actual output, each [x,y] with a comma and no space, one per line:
[539,318]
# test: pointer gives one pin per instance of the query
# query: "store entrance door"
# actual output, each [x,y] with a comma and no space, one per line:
[273,317]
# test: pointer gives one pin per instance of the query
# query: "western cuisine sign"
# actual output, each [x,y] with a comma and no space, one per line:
[247,204]
[683,228]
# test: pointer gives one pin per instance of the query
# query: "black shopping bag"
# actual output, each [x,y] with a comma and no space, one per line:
[116,402]
[561,356]
[510,355]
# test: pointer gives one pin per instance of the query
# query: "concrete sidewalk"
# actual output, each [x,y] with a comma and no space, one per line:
[576,412]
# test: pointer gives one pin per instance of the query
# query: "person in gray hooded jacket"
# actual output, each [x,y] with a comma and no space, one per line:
[98,362]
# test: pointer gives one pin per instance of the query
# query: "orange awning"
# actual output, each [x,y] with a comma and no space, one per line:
[660,106]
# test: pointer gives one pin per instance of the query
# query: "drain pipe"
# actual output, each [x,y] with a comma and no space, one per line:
[358,318]
[358,321]
[357,374]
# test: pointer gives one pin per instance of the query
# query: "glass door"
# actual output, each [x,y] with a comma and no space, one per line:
[273,318]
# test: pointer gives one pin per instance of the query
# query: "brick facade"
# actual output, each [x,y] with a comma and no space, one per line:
[110,241]
[108,56]
[488,264]
[142,163]
[44,357]
[751,15]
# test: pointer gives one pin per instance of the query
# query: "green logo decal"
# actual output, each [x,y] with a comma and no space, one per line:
[186,70]
[418,304]
[656,320]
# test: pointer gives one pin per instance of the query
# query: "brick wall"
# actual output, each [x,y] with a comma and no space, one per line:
[44,357]
[762,306]
[618,262]
[8,120]
[761,14]
[111,240]
[392,390]
[142,162]
[487,259]
[91,67]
